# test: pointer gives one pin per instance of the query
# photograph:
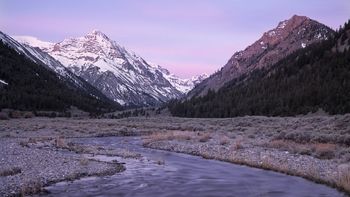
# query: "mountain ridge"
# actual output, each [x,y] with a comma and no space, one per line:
[26,83]
[275,44]
[312,78]
[120,74]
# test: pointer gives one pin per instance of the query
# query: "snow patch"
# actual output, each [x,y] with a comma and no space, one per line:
[33,41]
[272,33]
[121,102]
[303,45]
[3,82]
[282,25]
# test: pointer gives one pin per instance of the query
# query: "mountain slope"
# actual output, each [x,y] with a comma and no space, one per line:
[183,85]
[38,56]
[121,75]
[28,85]
[289,36]
[311,78]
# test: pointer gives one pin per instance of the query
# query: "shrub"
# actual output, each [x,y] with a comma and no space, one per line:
[84,161]
[160,162]
[224,140]
[24,143]
[60,142]
[4,116]
[31,187]
[10,172]
[204,138]
[15,114]
[237,145]
[278,144]
[324,151]
[28,115]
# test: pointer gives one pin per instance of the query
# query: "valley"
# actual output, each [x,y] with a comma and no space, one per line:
[314,147]
[114,99]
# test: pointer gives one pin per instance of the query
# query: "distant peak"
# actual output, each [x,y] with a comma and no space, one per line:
[291,23]
[295,16]
[97,33]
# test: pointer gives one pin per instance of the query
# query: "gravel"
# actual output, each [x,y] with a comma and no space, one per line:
[323,171]
[40,167]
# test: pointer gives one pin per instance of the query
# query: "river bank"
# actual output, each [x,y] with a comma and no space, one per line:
[26,167]
[37,152]
[317,153]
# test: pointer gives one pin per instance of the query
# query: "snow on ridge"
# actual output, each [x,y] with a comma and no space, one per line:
[3,82]
[184,85]
[97,54]
[282,25]
[32,41]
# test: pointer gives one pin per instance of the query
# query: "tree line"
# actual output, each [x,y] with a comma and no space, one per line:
[316,77]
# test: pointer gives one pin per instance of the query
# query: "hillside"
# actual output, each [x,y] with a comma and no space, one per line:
[274,45]
[26,85]
[312,78]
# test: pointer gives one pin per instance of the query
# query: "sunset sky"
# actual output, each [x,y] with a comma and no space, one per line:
[188,37]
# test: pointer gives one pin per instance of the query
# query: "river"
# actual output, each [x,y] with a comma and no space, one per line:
[167,174]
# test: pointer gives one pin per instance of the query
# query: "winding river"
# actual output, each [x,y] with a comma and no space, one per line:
[183,175]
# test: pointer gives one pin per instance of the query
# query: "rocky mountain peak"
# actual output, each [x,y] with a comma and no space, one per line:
[298,19]
[97,35]
[90,47]
[289,36]
[118,73]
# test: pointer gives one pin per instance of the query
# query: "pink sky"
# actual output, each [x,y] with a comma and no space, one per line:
[186,37]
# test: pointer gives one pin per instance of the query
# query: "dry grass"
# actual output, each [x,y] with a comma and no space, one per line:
[344,178]
[60,142]
[278,144]
[169,135]
[28,114]
[224,140]
[84,161]
[204,137]
[324,151]
[318,150]
[267,162]
[237,145]
[10,172]
[31,187]
[15,114]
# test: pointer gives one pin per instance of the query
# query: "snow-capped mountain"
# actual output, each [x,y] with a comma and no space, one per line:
[183,85]
[289,36]
[42,58]
[118,73]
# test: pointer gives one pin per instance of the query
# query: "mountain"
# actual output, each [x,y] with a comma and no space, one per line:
[289,36]
[27,84]
[42,58]
[311,78]
[118,73]
[183,85]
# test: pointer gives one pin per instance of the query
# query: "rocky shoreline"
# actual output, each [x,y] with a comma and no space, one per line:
[329,172]
[26,168]
[33,155]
